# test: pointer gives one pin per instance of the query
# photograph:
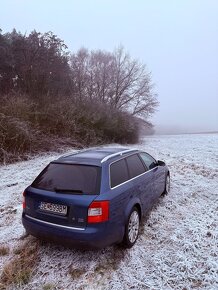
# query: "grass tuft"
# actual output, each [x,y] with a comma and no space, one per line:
[48,286]
[76,273]
[4,250]
[19,270]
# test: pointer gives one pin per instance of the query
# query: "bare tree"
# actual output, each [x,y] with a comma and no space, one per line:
[115,79]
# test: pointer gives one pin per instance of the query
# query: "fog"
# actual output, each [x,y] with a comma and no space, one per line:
[178,40]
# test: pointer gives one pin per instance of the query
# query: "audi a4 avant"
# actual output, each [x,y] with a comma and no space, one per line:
[94,198]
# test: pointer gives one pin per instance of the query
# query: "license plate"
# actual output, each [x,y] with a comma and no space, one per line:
[54,208]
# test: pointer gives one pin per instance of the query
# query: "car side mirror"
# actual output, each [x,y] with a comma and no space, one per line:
[160,163]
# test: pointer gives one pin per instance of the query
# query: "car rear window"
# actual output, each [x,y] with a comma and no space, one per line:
[135,165]
[118,172]
[71,178]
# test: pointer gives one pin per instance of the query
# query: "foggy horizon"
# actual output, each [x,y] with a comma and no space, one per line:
[178,42]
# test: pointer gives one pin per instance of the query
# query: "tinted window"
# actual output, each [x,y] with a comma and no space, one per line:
[135,165]
[149,161]
[81,178]
[118,172]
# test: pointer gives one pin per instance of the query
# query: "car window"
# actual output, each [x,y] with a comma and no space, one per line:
[149,161]
[118,172]
[135,165]
[78,178]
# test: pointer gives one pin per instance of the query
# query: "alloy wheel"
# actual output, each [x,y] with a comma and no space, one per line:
[133,226]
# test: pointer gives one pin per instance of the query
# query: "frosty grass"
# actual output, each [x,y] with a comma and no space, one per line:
[177,247]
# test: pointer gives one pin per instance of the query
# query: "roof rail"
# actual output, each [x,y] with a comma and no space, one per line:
[117,154]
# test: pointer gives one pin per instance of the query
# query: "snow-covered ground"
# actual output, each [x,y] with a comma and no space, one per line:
[177,247]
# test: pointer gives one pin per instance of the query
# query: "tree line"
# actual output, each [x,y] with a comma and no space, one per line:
[87,97]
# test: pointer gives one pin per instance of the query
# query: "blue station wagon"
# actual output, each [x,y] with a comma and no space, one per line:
[94,198]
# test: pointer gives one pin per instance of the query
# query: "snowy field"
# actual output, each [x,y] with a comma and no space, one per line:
[177,247]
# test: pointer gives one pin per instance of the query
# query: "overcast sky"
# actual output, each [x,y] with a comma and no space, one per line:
[177,39]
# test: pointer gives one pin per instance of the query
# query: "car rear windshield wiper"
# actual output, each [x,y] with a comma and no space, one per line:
[76,191]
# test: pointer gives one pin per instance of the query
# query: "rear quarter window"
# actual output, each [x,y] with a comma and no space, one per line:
[135,165]
[118,172]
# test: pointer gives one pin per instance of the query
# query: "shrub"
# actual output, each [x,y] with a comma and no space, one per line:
[16,137]
[105,124]
[27,127]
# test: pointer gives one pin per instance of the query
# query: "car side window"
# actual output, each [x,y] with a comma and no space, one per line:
[118,172]
[149,161]
[135,165]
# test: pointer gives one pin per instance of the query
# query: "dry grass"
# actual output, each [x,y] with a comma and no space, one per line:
[113,261]
[76,273]
[20,268]
[48,286]
[4,250]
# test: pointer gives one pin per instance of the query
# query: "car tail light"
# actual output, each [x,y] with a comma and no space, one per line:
[98,211]
[24,200]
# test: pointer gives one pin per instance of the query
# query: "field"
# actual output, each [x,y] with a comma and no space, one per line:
[177,247]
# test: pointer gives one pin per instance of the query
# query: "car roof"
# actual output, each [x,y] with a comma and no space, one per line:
[95,156]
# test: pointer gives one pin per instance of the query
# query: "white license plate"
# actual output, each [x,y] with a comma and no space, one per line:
[54,208]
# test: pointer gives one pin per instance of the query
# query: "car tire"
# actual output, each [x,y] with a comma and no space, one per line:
[167,185]
[131,228]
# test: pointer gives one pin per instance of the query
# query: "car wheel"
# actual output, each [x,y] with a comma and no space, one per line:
[167,185]
[131,229]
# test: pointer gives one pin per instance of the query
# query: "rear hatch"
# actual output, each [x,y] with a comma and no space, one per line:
[62,193]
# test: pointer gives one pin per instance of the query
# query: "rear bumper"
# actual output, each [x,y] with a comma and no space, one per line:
[95,237]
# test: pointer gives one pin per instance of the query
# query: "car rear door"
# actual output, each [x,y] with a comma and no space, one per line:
[142,180]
